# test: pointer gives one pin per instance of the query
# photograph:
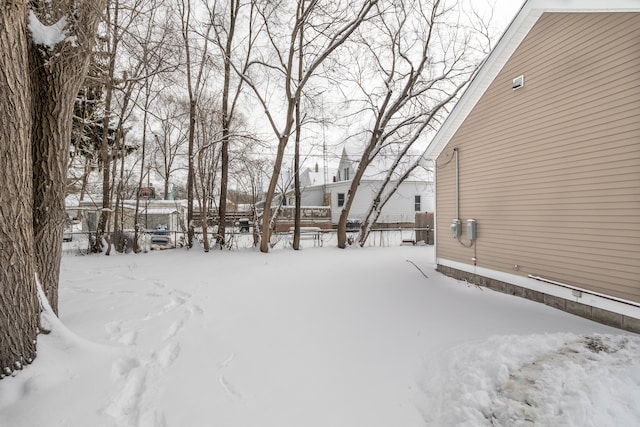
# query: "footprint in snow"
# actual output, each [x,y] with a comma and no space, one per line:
[124,407]
[128,338]
[113,329]
[152,418]
[229,388]
[123,366]
[173,330]
[168,354]
[226,385]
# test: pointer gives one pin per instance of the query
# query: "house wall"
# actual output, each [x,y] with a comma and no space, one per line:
[151,214]
[399,209]
[312,196]
[551,171]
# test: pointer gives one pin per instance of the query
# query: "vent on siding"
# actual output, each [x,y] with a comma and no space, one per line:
[518,82]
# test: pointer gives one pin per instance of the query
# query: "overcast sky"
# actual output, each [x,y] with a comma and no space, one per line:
[505,10]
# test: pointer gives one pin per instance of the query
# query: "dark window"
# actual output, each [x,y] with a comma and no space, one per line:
[416,204]
[340,199]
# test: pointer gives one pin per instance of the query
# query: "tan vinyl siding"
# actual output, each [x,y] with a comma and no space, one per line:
[551,171]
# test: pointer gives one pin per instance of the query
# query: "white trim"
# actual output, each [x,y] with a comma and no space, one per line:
[593,300]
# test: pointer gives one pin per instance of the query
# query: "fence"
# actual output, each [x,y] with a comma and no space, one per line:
[235,239]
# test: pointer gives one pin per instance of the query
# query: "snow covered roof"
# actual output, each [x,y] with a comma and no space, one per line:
[523,22]
[158,211]
[317,178]
[163,205]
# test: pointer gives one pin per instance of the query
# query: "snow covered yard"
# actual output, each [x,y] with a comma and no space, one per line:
[319,337]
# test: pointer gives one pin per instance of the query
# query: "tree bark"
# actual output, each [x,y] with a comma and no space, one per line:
[51,137]
[19,307]
[57,73]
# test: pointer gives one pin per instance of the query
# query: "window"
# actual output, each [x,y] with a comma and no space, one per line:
[416,204]
[340,199]
[346,174]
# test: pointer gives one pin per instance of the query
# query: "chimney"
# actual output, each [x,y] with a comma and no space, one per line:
[317,167]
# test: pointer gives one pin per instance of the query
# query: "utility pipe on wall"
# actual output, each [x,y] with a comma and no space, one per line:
[455,152]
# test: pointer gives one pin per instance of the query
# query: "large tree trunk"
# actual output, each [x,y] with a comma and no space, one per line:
[57,72]
[18,300]
[51,137]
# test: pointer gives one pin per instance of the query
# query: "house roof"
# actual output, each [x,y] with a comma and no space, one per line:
[380,165]
[517,30]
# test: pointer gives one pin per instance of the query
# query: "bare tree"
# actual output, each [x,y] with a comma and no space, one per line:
[137,54]
[112,41]
[143,158]
[411,63]
[194,87]
[329,25]
[225,34]
[170,138]
[18,302]
[208,153]
[250,179]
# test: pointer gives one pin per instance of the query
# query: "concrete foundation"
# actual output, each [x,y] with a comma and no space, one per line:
[592,313]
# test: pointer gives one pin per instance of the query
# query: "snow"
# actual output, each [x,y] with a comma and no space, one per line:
[317,337]
[48,35]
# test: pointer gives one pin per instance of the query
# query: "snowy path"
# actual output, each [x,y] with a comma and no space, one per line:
[321,337]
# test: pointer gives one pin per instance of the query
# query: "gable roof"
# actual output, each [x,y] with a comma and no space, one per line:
[517,30]
[380,165]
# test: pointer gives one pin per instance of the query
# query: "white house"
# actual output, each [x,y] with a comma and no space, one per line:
[415,194]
